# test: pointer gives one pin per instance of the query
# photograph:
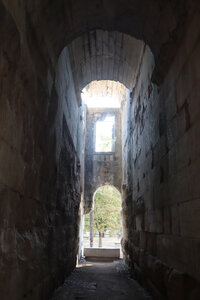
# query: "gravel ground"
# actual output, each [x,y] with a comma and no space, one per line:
[96,281]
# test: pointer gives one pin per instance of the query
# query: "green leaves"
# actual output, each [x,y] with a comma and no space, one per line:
[107,205]
[105,143]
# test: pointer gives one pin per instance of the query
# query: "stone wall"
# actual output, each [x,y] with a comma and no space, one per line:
[101,168]
[39,152]
[39,167]
[161,189]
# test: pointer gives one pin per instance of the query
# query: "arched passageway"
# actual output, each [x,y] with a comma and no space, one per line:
[103,166]
[159,24]
[102,226]
[49,50]
[103,55]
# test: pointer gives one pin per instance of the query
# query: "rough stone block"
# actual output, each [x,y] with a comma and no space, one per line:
[189,218]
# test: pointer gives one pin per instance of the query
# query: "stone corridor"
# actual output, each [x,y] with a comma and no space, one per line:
[147,54]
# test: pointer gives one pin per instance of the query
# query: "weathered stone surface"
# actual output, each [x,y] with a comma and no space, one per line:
[41,149]
[39,169]
[100,55]
[101,168]
[163,147]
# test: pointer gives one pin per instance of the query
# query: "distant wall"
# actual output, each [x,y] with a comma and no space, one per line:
[101,168]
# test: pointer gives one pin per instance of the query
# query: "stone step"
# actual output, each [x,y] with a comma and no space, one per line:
[102,253]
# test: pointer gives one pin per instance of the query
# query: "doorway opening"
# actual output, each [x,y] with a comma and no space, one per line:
[104,221]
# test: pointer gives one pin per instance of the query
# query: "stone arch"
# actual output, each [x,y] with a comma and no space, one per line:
[92,210]
[91,194]
[107,184]
[160,26]
[95,189]
[55,24]
[103,55]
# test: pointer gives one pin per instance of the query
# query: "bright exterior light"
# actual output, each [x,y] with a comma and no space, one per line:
[103,93]
[104,134]
[100,101]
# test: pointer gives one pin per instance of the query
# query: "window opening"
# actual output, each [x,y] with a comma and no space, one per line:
[105,135]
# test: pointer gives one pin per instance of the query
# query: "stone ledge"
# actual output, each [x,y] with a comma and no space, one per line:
[113,253]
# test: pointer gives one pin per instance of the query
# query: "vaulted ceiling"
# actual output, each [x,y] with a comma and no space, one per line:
[55,24]
[103,55]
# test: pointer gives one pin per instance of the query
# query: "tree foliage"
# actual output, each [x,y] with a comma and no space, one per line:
[105,143]
[107,205]
[87,223]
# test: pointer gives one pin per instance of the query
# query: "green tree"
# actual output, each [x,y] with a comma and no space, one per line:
[87,223]
[107,204]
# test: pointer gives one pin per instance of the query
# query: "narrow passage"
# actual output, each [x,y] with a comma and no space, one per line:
[96,281]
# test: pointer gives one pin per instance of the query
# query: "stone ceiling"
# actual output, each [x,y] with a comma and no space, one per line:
[103,55]
[51,25]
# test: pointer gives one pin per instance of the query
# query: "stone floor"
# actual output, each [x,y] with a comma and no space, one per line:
[98,281]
